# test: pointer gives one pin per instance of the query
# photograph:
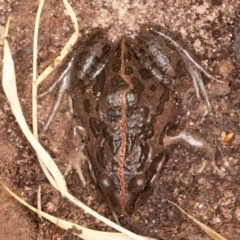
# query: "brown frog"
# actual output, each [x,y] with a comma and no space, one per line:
[125,111]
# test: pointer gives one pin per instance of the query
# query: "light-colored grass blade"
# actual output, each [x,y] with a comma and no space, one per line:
[84,233]
[9,86]
[57,61]
[214,235]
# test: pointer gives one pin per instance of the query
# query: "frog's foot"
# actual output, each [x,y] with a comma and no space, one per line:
[193,67]
[75,157]
[76,141]
[64,82]
[196,143]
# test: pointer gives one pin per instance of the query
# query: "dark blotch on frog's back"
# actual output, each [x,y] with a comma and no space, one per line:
[118,51]
[118,83]
[145,74]
[127,56]
[128,71]
[164,98]
[116,65]
[98,128]
[153,87]
[138,87]
[87,105]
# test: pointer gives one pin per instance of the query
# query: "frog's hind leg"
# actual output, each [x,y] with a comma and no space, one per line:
[85,63]
[64,82]
[196,143]
[193,68]
[161,62]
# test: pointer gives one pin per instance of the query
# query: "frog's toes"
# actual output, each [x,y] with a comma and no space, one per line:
[76,157]
[214,165]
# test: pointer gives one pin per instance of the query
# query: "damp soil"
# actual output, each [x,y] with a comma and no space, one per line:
[209,30]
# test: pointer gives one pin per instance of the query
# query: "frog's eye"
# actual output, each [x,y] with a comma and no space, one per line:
[138,183]
[131,208]
[105,183]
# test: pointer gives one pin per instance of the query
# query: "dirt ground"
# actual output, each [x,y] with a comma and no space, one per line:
[206,28]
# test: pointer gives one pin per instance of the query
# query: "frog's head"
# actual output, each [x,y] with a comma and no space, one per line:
[122,200]
[127,180]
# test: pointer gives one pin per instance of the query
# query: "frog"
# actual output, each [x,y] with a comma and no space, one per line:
[124,111]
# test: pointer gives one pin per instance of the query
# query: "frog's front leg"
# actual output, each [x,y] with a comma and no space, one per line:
[196,143]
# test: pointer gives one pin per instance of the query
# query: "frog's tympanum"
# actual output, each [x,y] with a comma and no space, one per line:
[125,110]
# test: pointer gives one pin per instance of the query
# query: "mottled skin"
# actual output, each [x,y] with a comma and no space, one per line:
[126,113]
